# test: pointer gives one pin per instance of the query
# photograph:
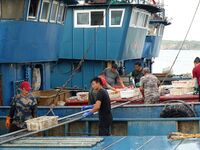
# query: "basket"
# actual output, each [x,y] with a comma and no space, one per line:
[49,97]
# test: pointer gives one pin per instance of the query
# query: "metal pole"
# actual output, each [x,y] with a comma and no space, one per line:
[16,135]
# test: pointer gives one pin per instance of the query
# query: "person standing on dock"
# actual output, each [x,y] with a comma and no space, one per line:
[149,87]
[112,75]
[23,107]
[196,72]
[102,105]
[137,73]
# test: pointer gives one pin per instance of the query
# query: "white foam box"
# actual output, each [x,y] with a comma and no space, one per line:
[181,90]
[82,95]
[129,93]
[42,122]
[113,94]
[184,83]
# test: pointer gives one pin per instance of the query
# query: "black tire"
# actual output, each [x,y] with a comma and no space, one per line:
[177,111]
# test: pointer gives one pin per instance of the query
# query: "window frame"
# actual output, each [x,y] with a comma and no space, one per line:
[89,12]
[0,10]
[64,14]
[48,13]
[58,21]
[56,15]
[110,17]
[76,19]
[147,20]
[139,13]
[29,18]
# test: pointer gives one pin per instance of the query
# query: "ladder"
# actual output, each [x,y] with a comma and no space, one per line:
[61,121]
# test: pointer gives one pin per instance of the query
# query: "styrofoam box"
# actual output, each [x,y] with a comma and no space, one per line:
[184,83]
[82,95]
[113,94]
[42,122]
[128,93]
[181,90]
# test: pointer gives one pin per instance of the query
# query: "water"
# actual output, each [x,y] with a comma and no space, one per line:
[184,63]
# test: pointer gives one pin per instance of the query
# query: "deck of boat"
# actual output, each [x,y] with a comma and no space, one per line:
[105,143]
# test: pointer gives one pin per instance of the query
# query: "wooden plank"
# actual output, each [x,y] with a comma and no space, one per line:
[76,128]
[59,131]
[191,127]
[119,128]
[94,128]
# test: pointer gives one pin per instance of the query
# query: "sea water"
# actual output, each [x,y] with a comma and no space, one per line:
[184,64]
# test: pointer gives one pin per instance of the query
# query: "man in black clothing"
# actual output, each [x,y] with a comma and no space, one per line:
[137,73]
[102,105]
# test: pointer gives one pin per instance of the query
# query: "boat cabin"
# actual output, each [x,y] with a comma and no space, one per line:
[104,32]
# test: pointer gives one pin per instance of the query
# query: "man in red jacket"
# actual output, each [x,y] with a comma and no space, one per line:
[196,72]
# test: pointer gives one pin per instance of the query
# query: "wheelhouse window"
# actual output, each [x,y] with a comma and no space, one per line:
[11,9]
[89,18]
[64,14]
[116,17]
[139,19]
[45,9]
[134,18]
[54,11]
[61,13]
[97,18]
[146,23]
[33,10]
[83,19]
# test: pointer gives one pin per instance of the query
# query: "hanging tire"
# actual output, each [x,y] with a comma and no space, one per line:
[177,111]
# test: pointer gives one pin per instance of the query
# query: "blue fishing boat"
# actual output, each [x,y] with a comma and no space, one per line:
[54,43]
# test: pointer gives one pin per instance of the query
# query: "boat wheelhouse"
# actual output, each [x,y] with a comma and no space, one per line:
[98,34]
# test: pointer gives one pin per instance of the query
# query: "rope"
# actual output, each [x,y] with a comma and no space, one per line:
[183,42]
[181,136]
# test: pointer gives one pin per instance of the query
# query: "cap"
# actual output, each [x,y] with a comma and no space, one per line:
[25,85]
[114,66]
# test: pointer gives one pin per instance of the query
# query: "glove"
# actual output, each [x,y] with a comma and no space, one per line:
[196,91]
[87,114]
[137,84]
[87,107]
[7,124]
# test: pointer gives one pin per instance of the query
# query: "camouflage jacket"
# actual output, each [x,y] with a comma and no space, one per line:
[22,109]
[151,90]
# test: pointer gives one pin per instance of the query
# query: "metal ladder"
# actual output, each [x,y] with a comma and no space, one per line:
[62,121]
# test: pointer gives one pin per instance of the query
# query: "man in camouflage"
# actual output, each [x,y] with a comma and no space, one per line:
[23,107]
[149,87]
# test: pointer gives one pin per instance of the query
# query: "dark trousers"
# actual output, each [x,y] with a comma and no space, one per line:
[14,128]
[104,129]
